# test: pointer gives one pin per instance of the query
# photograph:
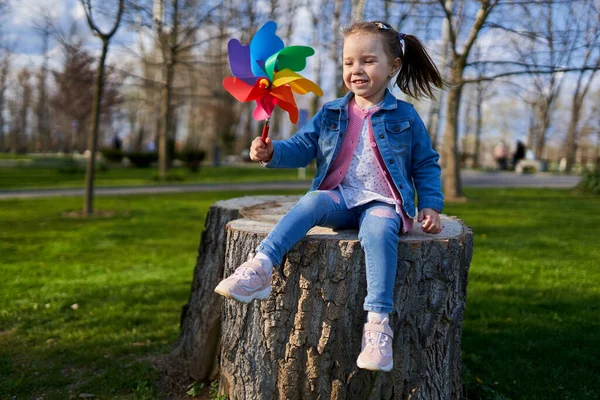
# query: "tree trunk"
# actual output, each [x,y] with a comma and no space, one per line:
[88,198]
[166,111]
[436,106]
[544,120]
[571,142]
[165,123]
[334,55]
[478,126]
[303,341]
[450,156]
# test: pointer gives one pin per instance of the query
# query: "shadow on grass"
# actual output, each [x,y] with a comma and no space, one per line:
[531,344]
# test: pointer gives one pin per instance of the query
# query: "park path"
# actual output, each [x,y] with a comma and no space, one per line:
[469,179]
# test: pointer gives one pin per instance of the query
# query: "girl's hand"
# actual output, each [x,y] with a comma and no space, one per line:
[432,222]
[261,151]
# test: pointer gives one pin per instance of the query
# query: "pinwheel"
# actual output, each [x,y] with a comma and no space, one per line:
[264,71]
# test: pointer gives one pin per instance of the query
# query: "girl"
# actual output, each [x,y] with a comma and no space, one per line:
[370,149]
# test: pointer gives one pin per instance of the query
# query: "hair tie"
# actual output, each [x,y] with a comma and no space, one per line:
[401,37]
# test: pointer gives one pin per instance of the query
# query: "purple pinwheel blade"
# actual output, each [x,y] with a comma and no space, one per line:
[239,59]
[263,45]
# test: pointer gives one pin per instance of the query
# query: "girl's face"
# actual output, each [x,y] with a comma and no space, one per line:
[367,68]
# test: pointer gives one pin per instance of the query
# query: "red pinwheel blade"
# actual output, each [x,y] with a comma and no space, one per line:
[242,91]
[264,107]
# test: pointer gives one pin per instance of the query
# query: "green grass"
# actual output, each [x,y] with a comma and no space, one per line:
[56,174]
[11,156]
[531,326]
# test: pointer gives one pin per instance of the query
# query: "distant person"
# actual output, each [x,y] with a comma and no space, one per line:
[519,153]
[368,184]
[117,142]
[501,156]
[150,146]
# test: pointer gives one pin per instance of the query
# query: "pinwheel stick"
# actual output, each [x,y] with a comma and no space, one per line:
[265,131]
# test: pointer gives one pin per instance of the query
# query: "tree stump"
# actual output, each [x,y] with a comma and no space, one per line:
[196,350]
[303,341]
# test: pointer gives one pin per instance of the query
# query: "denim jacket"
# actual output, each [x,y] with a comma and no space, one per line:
[402,140]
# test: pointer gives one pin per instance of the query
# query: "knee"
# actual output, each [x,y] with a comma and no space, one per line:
[381,222]
[317,198]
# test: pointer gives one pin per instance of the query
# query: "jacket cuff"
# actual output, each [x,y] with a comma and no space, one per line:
[275,159]
[435,203]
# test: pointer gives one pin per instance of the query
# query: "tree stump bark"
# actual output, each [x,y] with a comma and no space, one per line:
[195,352]
[303,341]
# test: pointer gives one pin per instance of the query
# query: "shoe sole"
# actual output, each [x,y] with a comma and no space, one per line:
[375,367]
[260,295]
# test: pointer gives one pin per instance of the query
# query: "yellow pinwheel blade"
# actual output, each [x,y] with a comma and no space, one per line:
[298,83]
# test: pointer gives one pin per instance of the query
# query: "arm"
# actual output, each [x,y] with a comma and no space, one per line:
[426,175]
[299,150]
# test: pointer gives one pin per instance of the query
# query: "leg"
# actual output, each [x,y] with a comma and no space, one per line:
[320,207]
[378,235]
[252,279]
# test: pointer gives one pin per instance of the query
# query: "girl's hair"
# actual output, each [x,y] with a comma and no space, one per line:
[418,74]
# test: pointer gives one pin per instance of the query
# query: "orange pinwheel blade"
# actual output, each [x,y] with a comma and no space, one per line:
[286,101]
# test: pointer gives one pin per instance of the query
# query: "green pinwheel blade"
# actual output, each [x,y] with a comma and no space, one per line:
[291,57]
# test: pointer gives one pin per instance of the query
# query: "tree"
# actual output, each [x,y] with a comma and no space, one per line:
[546,42]
[589,15]
[98,91]
[73,95]
[45,28]
[458,62]
[4,70]
[435,109]
[20,106]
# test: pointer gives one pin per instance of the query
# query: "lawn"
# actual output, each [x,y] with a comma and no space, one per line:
[84,305]
[54,173]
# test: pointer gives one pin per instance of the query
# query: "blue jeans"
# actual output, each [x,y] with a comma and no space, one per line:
[378,224]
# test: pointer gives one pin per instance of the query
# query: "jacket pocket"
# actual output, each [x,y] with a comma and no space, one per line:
[330,131]
[398,133]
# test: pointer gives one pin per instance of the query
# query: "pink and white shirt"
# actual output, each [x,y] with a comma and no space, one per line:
[358,171]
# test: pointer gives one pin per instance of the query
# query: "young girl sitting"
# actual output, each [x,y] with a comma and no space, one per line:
[372,151]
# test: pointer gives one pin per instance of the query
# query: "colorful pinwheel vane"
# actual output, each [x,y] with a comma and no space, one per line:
[263,71]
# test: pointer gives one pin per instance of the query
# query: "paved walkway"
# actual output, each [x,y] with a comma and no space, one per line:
[469,179]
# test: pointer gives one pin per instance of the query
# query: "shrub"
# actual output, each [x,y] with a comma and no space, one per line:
[142,160]
[192,159]
[172,176]
[69,165]
[590,180]
[112,155]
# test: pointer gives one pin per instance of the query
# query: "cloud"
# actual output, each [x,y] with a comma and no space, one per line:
[24,12]
[78,12]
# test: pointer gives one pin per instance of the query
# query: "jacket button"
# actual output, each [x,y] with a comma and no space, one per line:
[391,161]
[373,144]
[396,128]
[332,126]
[382,136]
[340,135]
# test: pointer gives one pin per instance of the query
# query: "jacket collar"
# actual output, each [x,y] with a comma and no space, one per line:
[389,102]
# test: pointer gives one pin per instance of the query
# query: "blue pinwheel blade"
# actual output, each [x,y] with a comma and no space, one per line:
[263,45]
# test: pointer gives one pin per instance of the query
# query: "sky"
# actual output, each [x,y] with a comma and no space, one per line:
[504,120]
